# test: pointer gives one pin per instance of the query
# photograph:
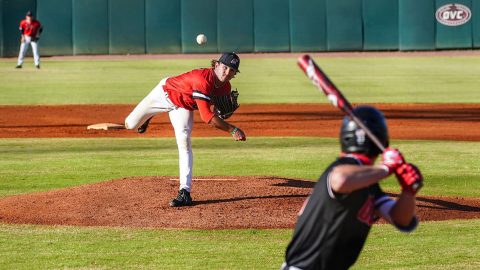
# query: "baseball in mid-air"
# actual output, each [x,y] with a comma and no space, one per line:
[201,39]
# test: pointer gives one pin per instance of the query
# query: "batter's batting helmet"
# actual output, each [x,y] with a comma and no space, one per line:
[354,140]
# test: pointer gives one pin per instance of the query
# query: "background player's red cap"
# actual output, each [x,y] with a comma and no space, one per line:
[230,60]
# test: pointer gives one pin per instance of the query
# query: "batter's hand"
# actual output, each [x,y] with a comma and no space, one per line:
[409,177]
[238,135]
[392,159]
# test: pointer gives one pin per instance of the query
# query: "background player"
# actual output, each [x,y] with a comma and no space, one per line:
[180,96]
[30,33]
[335,220]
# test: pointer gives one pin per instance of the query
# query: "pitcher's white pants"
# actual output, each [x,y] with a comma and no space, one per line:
[24,48]
[182,121]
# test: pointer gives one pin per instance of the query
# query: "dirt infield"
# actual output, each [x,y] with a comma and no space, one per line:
[230,202]
[418,121]
[219,203]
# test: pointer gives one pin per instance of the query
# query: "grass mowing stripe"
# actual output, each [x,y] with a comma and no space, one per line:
[264,80]
[114,248]
[453,244]
[42,164]
[434,245]
[28,165]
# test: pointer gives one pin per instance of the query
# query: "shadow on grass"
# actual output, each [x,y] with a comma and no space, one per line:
[444,204]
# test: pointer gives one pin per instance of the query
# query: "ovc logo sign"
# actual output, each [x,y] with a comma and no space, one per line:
[453,14]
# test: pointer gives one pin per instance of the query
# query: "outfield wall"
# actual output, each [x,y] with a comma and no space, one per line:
[75,27]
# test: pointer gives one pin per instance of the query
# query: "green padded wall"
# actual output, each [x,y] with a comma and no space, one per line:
[235,25]
[416,25]
[308,30]
[163,26]
[1,28]
[380,25]
[476,24]
[14,11]
[90,27]
[126,26]
[171,26]
[271,25]
[56,18]
[199,17]
[449,37]
[344,25]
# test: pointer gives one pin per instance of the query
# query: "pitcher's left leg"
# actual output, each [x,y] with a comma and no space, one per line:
[155,102]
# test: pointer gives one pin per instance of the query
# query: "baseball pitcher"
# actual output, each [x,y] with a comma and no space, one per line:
[207,90]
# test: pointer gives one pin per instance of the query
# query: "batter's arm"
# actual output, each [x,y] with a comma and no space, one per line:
[403,211]
[348,178]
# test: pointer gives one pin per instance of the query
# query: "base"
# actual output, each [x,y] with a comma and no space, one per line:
[106,126]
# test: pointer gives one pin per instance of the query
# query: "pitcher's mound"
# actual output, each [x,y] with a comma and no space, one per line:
[219,203]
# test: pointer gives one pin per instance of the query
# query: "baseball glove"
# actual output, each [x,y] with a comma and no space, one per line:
[226,105]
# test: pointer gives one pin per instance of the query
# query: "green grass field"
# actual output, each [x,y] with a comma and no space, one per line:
[264,80]
[33,165]
[434,245]
[450,168]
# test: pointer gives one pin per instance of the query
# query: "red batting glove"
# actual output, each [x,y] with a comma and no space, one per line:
[409,177]
[392,159]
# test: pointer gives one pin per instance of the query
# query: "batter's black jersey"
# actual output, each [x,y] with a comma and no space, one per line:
[333,227]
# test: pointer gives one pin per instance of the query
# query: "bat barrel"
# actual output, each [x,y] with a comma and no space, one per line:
[320,79]
[303,62]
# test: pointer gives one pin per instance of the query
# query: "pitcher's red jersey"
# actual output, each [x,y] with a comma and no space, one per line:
[193,91]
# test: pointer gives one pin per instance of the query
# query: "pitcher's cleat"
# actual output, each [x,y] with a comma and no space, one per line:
[183,199]
[144,127]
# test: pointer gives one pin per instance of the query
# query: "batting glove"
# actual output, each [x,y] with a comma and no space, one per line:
[392,159]
[409,177]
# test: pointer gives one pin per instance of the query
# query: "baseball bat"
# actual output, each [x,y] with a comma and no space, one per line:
[325,85]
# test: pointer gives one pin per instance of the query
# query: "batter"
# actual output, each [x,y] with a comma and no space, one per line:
[335,220]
